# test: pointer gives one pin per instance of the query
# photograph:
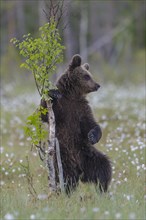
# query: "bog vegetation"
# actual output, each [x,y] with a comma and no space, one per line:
[24,186]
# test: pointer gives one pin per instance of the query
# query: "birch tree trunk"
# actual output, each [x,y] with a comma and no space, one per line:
[50,154]
[61,179]
[51,151]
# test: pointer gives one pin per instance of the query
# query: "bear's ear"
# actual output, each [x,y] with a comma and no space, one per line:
[86,65]
[75,61]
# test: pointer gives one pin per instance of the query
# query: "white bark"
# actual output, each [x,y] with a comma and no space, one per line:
[51,148]
[61,179]
[50,154]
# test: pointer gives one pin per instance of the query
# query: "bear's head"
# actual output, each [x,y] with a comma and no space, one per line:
[77,80]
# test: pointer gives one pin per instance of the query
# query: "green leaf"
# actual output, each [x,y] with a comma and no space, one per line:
[41,54]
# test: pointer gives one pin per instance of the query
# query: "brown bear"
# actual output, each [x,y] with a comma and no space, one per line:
[77,130]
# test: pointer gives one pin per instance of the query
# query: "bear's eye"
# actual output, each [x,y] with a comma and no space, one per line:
[86,77]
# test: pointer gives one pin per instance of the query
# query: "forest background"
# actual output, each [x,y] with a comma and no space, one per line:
[102,32]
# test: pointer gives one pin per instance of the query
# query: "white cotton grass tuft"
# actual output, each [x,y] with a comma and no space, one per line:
[32,216]
[9,216]
[132,216]
[95,209]
[42,196]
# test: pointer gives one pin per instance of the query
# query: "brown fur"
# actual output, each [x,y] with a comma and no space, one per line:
[77,130]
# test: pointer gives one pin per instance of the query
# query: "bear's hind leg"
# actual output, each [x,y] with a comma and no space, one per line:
[96,168]
[70,185]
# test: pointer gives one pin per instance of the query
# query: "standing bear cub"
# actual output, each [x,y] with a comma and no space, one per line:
[77,130]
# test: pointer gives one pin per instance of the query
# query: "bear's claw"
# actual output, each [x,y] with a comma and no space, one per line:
[92,137]
[55,94]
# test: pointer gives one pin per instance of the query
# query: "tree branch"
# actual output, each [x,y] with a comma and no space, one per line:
[37,84]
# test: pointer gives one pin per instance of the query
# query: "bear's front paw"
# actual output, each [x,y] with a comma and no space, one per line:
[55,94]
[92,136]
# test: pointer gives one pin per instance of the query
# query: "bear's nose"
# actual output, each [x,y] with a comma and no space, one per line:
[97,86]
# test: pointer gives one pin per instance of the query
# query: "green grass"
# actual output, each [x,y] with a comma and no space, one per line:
[120,111]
